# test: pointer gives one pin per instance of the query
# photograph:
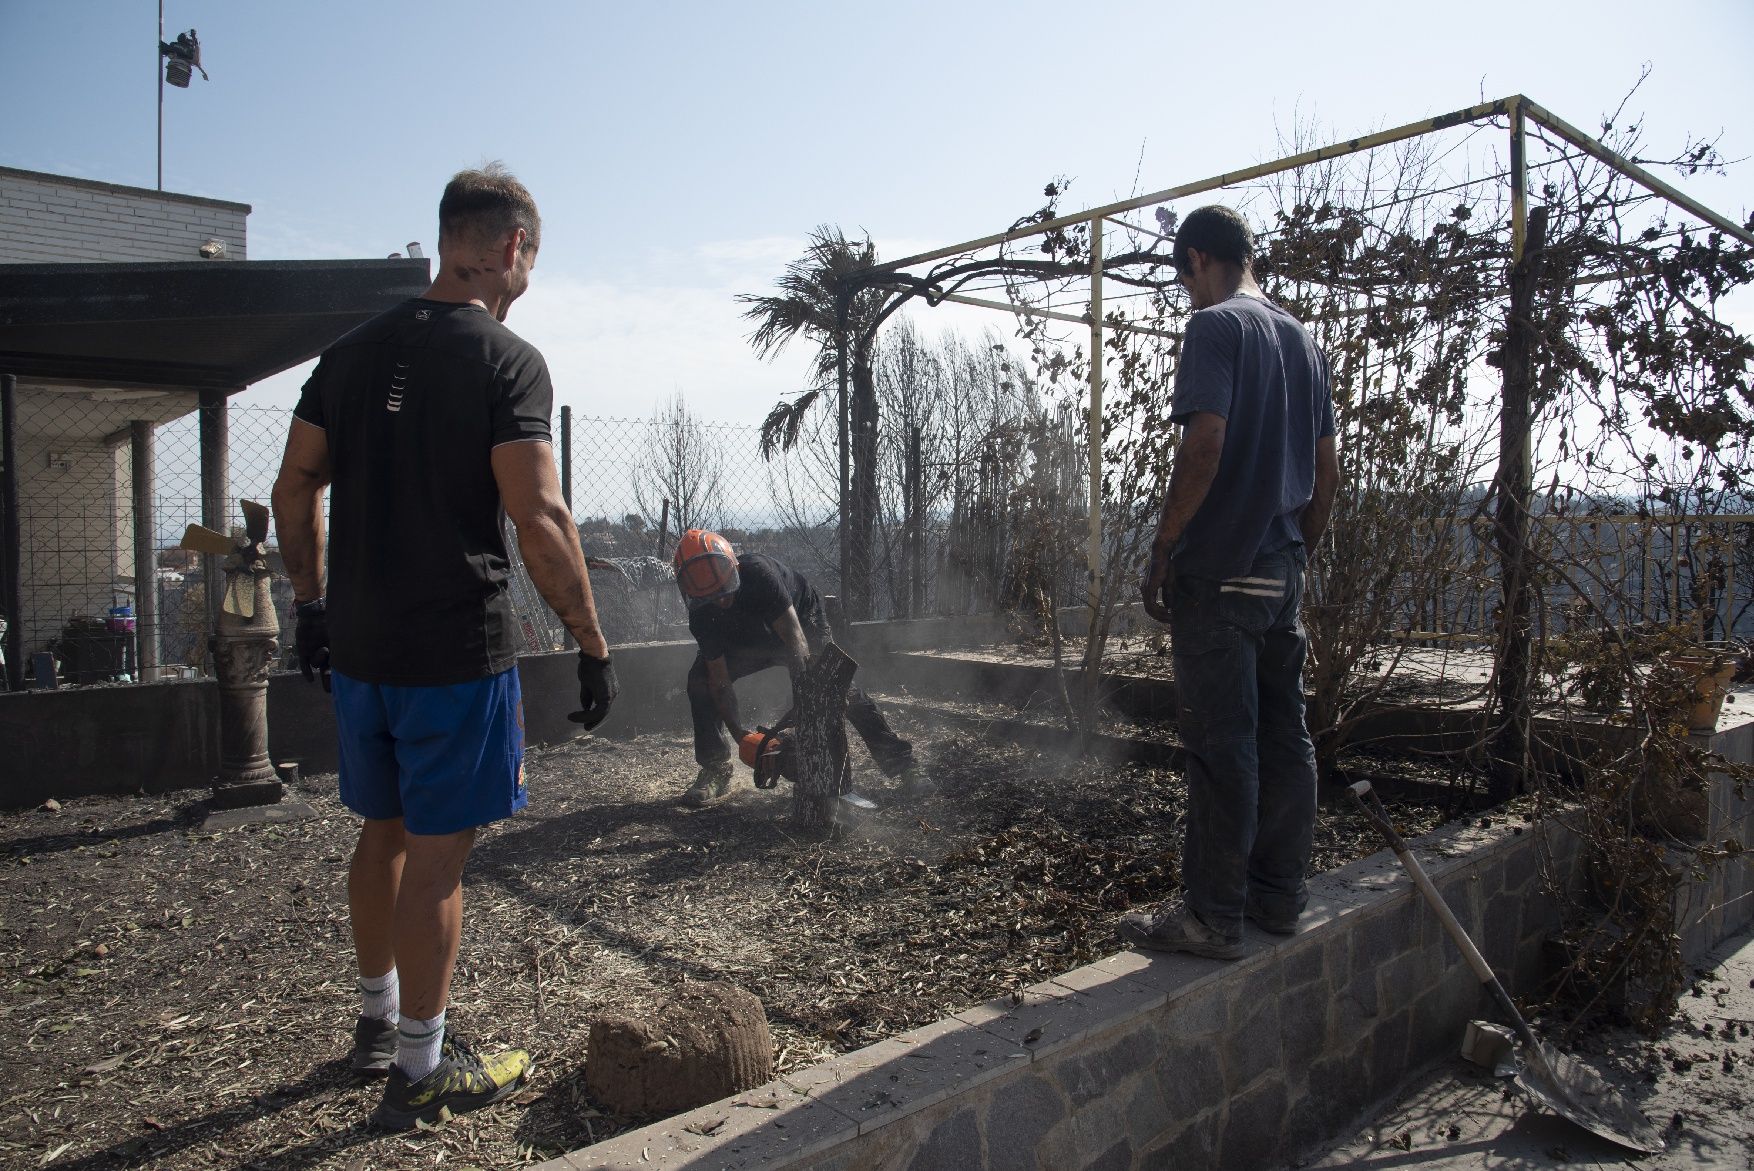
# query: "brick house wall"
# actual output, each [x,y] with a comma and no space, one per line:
[52,219]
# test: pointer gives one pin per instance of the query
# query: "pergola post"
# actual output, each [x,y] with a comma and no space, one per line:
[842,310]
[1512,716]
[140,474]
[1093,551]
[215,487]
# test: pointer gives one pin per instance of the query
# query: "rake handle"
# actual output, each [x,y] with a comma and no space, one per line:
[1372,807]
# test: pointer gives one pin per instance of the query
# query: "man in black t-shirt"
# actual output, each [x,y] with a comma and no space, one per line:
[429,423]
[749,613]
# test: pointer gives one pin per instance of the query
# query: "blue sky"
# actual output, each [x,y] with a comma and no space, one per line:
[681,151]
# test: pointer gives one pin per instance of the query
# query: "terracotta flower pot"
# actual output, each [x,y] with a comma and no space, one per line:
[1711,674]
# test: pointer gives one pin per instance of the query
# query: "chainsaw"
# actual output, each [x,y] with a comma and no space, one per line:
[770,753]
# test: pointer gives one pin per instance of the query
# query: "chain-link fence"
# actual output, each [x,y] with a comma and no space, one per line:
[636,484]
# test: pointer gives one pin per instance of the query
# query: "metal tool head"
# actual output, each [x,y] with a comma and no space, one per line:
[201,539]
[255,521]
[1574,1092]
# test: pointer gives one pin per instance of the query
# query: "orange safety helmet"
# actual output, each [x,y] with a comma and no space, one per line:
[706,567]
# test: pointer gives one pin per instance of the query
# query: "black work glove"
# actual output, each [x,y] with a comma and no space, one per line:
[597,690]
[313,639]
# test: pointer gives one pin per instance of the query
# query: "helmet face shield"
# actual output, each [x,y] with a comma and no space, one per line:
[706,579]
[706,568]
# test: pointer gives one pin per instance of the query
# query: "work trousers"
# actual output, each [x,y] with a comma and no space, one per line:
[711,745]
[1239,649]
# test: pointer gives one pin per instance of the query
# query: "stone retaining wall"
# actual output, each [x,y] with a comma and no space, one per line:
[1142,1060]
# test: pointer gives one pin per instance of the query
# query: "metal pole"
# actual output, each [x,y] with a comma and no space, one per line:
[1093,553]
[1519,182]
[1227,179]
[842,309]
[215,487]
[1632,170]
[566,456]
[158,67]
[145,557]
[11,548]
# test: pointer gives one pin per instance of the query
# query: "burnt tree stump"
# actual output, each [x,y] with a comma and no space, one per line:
[708,1041]
[824,770]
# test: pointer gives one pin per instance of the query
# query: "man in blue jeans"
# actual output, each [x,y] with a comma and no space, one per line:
[1254,481]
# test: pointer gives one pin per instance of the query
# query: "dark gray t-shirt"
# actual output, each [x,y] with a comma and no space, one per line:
[1251,362]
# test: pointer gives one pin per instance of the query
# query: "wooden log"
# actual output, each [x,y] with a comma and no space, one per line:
[704,1042]
[824,771]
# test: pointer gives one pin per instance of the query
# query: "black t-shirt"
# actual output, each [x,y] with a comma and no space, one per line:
[764,589]
[413,402]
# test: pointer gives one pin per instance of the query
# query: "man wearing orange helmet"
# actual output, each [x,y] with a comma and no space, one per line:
[749,613]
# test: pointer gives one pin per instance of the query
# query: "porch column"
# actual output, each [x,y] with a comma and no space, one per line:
[215,488]
[11,547]
[140,473]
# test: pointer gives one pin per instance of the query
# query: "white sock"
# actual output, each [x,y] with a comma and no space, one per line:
[417,1045]
[379,996]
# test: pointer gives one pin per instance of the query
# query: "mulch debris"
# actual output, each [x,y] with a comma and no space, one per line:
[174,998]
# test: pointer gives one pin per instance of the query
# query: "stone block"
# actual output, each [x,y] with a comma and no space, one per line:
[1303,962]
[1194,1145]
[1093,1072]
[954,1142]
[1385,934]
[1118,1157]
[1402,979]
[1254,1126]
[1303,1026]
[1251,1046]
[1461,891]
[1106,991]
[1047,1017]
[1501,932]
[1174,975]
[1354,1010]
[1245,992]
[1433,1031]
[909,1072]
[1197,1015]
[1191,1078]
[1099,1123]
[1021,1113]
[1344,1079]
[1148,1116]
[1388,1064]
[1522,866]
[1310,1121]
[770,1125]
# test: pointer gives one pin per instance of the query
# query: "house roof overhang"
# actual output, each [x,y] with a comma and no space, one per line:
[197,325]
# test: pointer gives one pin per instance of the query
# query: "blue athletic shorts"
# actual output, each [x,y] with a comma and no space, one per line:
[443,759]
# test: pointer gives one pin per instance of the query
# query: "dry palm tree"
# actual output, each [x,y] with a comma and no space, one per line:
[819,297]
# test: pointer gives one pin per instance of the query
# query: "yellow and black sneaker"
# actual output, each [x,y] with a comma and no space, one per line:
[461,1081]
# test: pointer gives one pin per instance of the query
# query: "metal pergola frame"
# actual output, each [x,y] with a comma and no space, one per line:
[1518,108]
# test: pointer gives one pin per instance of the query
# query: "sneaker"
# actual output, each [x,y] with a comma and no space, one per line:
[915,783]
[711,785]
[374,1044]
[462,1081]
[1175,928]
[1273,925]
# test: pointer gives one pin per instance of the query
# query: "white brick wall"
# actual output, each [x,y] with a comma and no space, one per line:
[69,529]
[46,219]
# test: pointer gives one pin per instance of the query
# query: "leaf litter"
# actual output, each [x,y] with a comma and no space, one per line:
[172,998]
